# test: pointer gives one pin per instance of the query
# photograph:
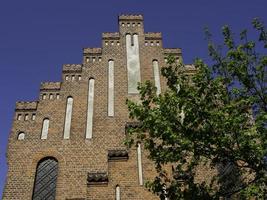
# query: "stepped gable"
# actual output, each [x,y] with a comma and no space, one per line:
[71,140]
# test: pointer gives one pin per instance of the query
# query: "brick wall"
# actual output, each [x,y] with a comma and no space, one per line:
[78,156]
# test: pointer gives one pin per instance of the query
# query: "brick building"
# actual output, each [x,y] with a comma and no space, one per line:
[69,143]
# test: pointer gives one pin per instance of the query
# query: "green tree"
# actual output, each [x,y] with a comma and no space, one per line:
[215,118]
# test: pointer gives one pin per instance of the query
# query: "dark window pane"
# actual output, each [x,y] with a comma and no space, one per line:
[45,179]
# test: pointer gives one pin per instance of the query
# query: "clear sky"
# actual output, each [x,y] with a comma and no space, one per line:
[37,37]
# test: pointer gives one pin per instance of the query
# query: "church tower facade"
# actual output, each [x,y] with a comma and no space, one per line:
[68,145]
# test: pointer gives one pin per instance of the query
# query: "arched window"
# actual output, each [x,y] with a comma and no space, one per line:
[45,179]
[21,136]
[45,129]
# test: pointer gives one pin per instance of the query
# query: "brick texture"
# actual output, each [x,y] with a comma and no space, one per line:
[77,156]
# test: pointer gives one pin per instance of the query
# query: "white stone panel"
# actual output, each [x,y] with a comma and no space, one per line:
[156,75]
[111,88]
[68,116]
[139,162]
[90,109]
[21,136]
[45,129]
[133,63]
[118,193]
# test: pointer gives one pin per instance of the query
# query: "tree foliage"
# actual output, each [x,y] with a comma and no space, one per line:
[212,119]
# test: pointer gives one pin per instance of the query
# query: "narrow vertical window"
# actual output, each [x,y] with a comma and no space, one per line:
[156,75]
[66,77]
[44,96]
[45,129]
[33,116]
[111,88]
[118,193]
[26,117]
[68,116]
[50,96]
[90,109]
[79,77]
[73,77]
[133,63]
[19,117]
[139,163]
[57,96]
[21,136]
[45,179]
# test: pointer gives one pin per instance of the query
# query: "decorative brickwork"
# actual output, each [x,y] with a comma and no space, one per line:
[81,158]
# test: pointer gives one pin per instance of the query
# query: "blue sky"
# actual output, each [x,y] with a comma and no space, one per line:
[37,37]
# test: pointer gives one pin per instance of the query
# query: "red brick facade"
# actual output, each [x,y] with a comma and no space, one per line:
[80,158]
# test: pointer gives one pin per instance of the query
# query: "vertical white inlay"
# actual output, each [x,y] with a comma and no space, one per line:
[90,110]
[139,162]
[45,129]
[156,75]
[67,126]
[118,193]
[111,88]
[133,63]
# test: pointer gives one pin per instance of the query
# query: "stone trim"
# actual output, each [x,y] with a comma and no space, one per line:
[97,178]
[117,155]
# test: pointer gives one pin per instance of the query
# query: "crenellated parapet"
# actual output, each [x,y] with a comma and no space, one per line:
[172,51]
[132,24]
[50,90]
[111,36]
[72,68]
[153,36]
[92,55]
[153,39]
[175,52]
[72,72]
[190,69]
[26,110]
[26,105]
[50,86]
[91,51]
[131,17]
